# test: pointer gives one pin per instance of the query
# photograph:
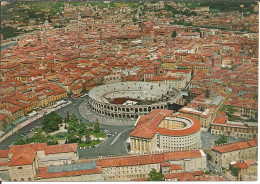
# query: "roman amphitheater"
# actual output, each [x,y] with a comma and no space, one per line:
[129,100]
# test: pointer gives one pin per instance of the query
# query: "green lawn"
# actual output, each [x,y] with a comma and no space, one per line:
[100,134]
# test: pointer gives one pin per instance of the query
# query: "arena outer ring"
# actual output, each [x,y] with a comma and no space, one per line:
[101,106]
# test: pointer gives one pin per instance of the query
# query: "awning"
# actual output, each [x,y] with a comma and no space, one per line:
[19,120]
[8,128]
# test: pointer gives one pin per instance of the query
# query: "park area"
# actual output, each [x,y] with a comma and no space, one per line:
[56,130]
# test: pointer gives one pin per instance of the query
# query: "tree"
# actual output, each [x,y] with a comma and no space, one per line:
[207,95]
[134,19]
[51,140]
[39,137]
[208,172]
[174,34]
[9,32]
[96,127]
[155,176]
[51,122]
[68,116]
[20,141]
[71,138]
[197,29]
[230,110]
[73,118]
[87,137]
[82,128]
[235,171]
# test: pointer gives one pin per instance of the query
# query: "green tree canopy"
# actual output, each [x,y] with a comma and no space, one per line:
[87,137]
[51,122]
[207,95]
[230,110]
[235,171]
[96,127]
[174,34]
[38,137]
[155,176]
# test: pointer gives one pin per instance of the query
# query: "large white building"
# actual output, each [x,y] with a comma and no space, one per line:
[160,130]
[39,162]
[223,155]
[126,168]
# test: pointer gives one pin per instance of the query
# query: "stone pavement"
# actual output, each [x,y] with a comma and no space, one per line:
[91,116]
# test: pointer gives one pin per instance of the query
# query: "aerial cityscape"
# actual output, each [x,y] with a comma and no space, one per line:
[129,91]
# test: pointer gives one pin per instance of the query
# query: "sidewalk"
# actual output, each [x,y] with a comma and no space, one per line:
[28,121]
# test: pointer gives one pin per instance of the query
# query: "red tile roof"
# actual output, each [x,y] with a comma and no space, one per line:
[4,163]
[147,125]
[175,167]
[62,148]
[241,165]
[43,173]
[25,154]
[220,119]
[4,153]
[147,129]
[185,176]
[177,155]
[149,159]
[235,146]
[165,164]
[249,162]
[132,160]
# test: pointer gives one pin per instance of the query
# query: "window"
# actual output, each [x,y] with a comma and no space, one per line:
[29,179]
[22,179]
[20,167]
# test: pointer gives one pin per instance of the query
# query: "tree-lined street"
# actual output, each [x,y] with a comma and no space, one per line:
[105,148]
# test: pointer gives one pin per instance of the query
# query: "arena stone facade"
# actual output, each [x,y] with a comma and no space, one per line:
[156,95]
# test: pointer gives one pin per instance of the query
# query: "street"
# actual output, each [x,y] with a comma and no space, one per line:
[216,170]
[114,145]
[105,148]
